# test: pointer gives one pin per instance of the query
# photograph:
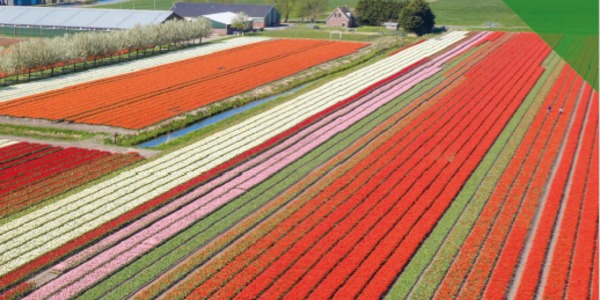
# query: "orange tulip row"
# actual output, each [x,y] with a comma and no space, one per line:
[143,98]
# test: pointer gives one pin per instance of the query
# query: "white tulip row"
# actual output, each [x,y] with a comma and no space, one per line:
[36,87]
[5,143]
[32,235]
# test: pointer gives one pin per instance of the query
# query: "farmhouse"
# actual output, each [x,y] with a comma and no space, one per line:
[221,22]
[341,17]
[15,20]
[262,15]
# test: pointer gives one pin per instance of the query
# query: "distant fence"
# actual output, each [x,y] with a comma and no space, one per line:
[36,31]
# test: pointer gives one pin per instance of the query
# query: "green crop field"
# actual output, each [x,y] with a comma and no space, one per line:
[475,13]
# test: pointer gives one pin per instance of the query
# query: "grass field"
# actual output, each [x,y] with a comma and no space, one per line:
[475,13]
[325,34]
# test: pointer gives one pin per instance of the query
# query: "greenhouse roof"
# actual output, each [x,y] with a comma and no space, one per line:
[226,18]
[85,18]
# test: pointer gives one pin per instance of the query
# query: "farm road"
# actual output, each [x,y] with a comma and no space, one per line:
[88,144]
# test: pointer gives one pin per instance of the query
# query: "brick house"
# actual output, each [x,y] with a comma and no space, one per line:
[341,17]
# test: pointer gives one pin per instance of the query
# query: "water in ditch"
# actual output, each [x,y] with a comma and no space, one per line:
[213,119]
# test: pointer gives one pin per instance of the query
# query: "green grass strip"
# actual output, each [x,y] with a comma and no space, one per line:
[326,34]
[451,231]
[165,256]
[44,133]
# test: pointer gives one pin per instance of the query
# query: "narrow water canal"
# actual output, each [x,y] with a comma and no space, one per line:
[214,119]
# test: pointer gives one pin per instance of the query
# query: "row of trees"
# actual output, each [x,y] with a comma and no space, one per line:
[413,16]
[37,54]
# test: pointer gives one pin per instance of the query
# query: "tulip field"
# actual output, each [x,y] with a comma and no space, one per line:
[31,173]
[37,87]
[143,98]
[462,166]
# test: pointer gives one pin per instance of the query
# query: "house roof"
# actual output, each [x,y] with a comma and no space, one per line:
[345,10]
[224,17]
[202,9]
[80,17]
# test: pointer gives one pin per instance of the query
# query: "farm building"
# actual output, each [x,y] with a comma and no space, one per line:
[52,21]
[221,22]
[21,2]
[390,25]
[341,17]
[262,15]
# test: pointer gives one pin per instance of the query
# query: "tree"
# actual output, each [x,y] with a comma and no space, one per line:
[285,7]
[417,17]
[311,9]
[375,12]
[366,14]
[240,22]
[201,28]
[7,64]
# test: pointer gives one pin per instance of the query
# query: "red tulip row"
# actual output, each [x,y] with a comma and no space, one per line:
[594,293]
[17,291]
[450,286]
[549,213]
[583,274]
[30,173]
[575,202]
[64,181]
[481,248]
[494,36]
[485,50]
[22,152]
[327,246]
[515,241]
